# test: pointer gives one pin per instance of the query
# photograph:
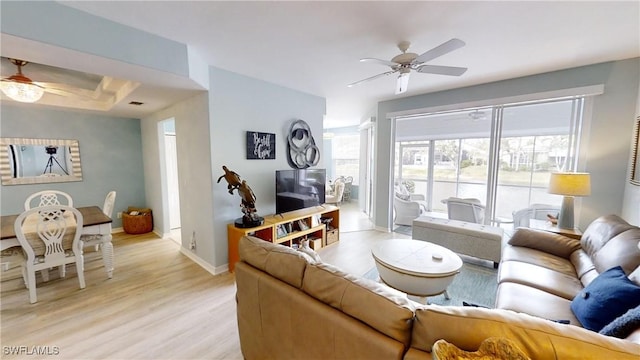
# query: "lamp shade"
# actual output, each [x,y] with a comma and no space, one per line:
[570,184]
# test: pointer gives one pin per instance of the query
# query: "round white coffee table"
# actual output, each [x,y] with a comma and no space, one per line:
[416,267]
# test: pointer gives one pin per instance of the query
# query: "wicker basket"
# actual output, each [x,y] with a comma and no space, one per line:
[137,224]
[332,236]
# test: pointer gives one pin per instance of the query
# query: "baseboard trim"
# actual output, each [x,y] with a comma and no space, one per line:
[383,229]
[203,264]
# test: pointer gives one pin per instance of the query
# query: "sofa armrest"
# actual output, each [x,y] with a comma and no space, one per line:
[548,242]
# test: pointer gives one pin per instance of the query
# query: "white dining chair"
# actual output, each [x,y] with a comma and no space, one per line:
[107,209]
[48,197]
[50,237]
[45,198]
[335,197]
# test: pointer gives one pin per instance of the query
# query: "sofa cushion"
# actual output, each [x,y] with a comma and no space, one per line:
[539,277]
[467,327]
[620,250]
[385,310]
[278,261]
[609,296]
[545,241]
[539,258]
[532,301]
[600,231]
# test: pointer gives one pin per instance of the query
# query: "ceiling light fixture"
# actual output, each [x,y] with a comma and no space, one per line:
[403,81]
[477,115]
[19,87]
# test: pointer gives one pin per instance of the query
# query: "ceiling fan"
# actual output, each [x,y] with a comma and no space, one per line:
[404,63]
[21,88]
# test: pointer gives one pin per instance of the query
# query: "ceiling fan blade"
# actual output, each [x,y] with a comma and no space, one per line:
[392,64]
[371,78]
[67,90]
[442,70]
[59,92]
[439,50]
[402,83]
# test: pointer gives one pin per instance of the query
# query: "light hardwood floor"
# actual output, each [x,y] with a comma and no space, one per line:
[159,304]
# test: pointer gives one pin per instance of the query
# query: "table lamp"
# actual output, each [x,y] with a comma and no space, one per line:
[569,185]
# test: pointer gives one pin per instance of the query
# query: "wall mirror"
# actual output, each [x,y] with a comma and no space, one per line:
[635,156]
[38,161]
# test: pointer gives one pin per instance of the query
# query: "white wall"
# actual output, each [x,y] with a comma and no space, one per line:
[194,171]
[607,146]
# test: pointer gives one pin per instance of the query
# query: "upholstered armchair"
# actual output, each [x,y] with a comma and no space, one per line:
[522,217]
[407,210]
[469,210]
[407,206]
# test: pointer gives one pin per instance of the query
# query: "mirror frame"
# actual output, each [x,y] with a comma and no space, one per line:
[5,169]
[635,156]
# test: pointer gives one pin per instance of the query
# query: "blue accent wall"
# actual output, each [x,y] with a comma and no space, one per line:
[110,152]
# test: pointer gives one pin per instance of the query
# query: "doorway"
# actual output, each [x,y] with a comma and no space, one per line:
[171,189]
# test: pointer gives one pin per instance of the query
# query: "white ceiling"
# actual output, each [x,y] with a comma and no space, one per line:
[315,46]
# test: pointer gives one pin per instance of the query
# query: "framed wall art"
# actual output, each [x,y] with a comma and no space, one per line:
[261,146]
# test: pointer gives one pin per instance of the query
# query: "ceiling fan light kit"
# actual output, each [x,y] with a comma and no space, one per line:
[406,62]
[19,87]
[403,82]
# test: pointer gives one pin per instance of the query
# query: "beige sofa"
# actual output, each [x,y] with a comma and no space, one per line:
[291,307]
[541,272]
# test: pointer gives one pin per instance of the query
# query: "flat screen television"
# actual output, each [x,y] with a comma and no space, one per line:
[299,189]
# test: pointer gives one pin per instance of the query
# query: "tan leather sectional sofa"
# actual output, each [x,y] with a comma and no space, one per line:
[541,272]
[291,307]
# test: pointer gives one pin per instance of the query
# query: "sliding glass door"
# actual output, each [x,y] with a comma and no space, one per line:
[534,142]
[455,153]
[412,163]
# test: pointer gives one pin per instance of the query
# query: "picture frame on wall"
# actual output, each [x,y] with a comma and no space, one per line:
[261,146]
[635,155]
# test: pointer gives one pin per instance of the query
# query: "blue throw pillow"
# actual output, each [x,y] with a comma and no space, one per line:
[607,297]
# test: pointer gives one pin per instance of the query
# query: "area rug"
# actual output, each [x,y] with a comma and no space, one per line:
[474,284]
[403,229]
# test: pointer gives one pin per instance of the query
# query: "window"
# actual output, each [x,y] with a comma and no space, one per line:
[345,150]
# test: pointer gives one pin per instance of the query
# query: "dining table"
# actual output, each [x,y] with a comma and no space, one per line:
[95,222]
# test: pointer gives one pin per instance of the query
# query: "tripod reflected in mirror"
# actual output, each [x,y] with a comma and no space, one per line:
[52,151]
